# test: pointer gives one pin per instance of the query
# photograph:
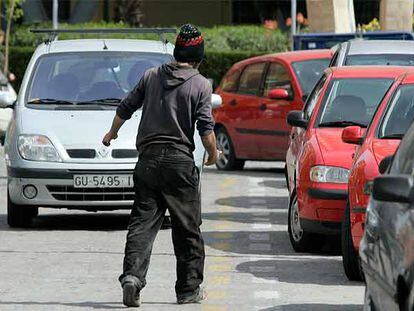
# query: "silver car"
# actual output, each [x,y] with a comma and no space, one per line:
[373,52]
[66,103]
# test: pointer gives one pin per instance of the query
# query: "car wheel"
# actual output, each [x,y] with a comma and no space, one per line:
[368,303]
[19,216]
[301,241]
[350,258]
[227,161]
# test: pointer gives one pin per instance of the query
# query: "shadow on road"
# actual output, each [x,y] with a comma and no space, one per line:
[276,218]
[256,201]
[249,172]
[252,242]
[50,304]
[278,184]
[315,307]
[90,222]
[297,270]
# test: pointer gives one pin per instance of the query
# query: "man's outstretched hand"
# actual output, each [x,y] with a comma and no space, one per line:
[108,137]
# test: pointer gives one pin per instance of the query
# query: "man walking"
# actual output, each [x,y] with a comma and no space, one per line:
[175,99]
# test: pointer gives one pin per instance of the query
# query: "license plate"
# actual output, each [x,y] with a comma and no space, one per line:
[103,181]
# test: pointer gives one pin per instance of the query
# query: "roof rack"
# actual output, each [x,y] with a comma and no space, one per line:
[55,32]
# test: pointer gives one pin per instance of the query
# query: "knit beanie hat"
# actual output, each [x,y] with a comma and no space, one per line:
[189,45]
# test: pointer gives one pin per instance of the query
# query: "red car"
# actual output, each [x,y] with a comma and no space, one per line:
[257,94]
[318,161]
[382,138]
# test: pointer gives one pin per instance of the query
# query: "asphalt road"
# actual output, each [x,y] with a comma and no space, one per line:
[71,260]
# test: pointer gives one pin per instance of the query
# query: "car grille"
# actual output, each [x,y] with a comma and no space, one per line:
[124,153]
[70,193]
[81,153]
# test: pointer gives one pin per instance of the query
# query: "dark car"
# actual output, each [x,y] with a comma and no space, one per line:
[387,246]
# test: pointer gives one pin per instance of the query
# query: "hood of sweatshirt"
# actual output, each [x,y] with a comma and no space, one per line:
[173,75]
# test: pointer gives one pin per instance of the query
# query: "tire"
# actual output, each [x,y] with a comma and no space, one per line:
[300,240]
[350,258]
[368,303]
[19,216]
[227,161]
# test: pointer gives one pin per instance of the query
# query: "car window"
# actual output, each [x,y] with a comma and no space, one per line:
[229,83]
[352,101]
[85,76]
[380,59]
[308,72]
[400,113]
[277,77]
[403,162]
[251,78]
[313,98]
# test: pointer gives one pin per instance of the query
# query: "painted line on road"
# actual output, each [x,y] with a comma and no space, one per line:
[261,226]
[259,236]
[266,294]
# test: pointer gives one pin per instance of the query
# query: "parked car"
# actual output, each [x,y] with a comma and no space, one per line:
[257,95]
[387,246]
[326,40]
[8,97]
[390,123]
[318,161]
[67,100]
[373,52]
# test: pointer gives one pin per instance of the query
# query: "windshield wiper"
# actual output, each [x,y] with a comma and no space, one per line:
[50,101]
[341,124]
[393,136]
[102,101]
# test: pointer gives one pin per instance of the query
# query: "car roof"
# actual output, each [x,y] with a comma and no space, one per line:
[291,56]
[362,47]
[369,71]
[94,45]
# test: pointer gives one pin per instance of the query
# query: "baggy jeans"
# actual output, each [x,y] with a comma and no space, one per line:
[166,178]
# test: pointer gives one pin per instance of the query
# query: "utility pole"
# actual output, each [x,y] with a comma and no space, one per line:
[55,14]
[293,17]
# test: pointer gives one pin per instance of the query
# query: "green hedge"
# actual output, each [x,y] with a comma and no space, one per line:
[225,45]
[219,38]
[214,66]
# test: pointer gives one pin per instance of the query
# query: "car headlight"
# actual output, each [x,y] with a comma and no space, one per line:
[37,148]
[329,174]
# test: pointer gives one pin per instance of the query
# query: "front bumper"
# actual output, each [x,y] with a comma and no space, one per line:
[55,189]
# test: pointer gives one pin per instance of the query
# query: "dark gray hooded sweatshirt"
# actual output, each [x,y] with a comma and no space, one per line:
[173,99]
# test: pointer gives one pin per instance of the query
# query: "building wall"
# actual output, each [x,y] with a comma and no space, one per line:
[177,12]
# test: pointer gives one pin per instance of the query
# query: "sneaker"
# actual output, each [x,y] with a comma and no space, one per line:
[131,297]
[195,297]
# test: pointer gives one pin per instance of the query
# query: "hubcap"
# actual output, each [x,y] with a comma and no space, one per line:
[295,226]
[223,144]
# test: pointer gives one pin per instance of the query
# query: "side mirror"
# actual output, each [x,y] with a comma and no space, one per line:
[385,164]
[295,118]
[353,135]
[393,188]
[216,100]
[278,94]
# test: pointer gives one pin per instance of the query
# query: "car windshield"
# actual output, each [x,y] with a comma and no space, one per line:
[400,113]
[381,59]
[352,101]
[308,72]
[65,78]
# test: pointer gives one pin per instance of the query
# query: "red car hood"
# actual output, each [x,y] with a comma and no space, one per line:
[334,151]
[384,147]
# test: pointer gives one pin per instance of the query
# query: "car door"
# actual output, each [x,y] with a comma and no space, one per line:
[273,130]
[243,111]
[297,134]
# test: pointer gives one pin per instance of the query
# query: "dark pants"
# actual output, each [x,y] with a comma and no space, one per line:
[166,178]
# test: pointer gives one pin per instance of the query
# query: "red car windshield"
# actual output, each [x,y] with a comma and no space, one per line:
[309,72]
[352,101]
[400,113]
